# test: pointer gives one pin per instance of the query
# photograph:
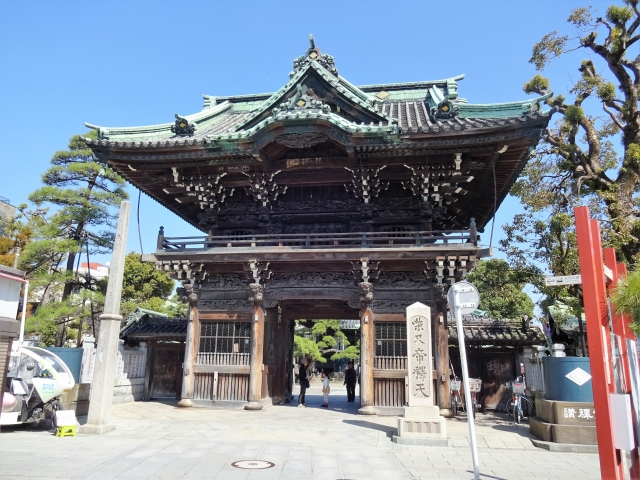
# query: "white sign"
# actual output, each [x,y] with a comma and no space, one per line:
[65,418]
[468,297]
[563,280]
[622,421]
[419,355]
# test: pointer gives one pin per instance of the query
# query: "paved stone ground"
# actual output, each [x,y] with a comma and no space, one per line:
[157,440]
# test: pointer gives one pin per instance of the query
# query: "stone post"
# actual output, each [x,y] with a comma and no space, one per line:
[422,423]
[367,351]
[257,348]
[189,296]
[106,353]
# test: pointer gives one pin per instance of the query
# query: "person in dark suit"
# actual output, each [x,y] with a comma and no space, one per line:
[304,382]
[350,380]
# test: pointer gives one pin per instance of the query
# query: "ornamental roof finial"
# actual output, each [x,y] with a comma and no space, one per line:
[312,41]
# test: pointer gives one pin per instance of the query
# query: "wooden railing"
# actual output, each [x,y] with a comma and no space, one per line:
[222,359]
[390,363]
[321,240]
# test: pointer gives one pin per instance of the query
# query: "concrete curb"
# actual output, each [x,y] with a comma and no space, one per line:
[565,447]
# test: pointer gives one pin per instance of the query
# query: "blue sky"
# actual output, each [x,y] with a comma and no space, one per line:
[125,63]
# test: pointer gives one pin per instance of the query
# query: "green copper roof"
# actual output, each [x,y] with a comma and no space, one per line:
[387,109]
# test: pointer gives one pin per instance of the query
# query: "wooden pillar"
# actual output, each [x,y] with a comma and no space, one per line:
[190,353]
[367,351]
[280,354]
[442,358]
[256,351]
[291,325]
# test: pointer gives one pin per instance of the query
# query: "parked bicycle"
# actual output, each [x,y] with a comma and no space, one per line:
[475,386]
[518,406]
[456,400]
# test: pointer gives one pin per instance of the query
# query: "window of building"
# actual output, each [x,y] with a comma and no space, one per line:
[391,339]
[224,337]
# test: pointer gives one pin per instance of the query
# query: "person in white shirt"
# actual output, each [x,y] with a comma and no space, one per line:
[325,390]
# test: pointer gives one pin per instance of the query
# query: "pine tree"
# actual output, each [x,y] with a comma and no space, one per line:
[84,195]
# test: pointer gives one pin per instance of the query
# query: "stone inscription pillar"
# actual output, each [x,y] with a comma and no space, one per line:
[257,349]
[104,373]
[422,423]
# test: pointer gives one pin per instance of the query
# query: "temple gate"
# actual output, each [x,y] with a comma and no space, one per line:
[322,200]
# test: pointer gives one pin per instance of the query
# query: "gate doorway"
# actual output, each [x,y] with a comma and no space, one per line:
[165,370]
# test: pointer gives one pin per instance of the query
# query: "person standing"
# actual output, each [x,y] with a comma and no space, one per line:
[325,390]
[350,380]
[304,382]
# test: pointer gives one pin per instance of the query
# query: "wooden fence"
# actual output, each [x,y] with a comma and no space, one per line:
[389,381]
[222,377]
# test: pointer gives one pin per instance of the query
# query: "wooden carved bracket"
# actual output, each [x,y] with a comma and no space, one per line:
[263,188]
[257,272]
[184,271]
[365,271]
[365,184]
[449,270]
[206,190]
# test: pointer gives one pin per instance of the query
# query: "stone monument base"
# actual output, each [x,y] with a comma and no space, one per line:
[93,429]
[422,426]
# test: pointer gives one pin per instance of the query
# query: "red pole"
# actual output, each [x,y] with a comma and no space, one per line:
[597,323]
[621,329]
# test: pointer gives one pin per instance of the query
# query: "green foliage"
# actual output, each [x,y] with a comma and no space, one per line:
[79,312]
[175,308]
[310,342]
[306,347]
[143,286]
[352,352]
[607,91]
[626,298]
[619,15]
[500,289]
[84,195]
[14,233]
[536,247]
[549,47]
[573,114]
[142,281]
[577,162]
[538,84]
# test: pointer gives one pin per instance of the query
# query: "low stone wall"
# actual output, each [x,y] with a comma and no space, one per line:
[77,399]
[564,422]
[128,390]
[125,390]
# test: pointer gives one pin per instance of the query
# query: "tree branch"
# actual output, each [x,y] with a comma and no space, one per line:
[614,118]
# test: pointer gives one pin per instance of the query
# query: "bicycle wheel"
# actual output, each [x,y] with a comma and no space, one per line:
[509,407]
[527,407]
[454,406]
[475,405]
[516,411]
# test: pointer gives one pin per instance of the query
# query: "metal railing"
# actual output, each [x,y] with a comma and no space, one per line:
[321,240]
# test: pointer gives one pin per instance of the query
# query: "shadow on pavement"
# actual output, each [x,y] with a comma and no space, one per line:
[371,425]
